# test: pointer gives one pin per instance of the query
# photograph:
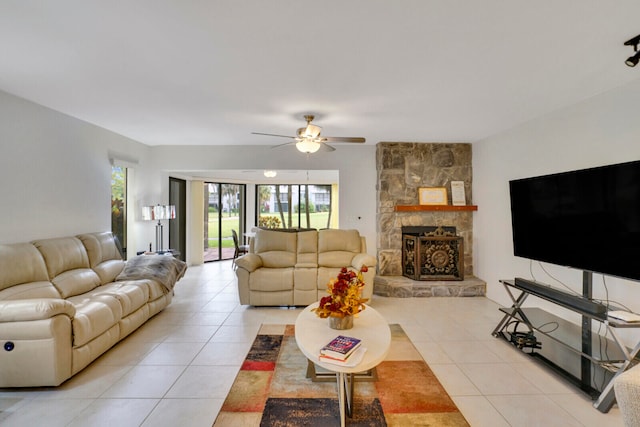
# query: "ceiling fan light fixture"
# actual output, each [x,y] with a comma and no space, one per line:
[270,173]
[308,146]
[312,131]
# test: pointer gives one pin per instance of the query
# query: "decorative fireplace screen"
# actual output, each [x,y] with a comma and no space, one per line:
[432,253]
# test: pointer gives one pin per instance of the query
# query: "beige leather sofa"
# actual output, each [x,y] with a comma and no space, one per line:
[65,301]
[286,268]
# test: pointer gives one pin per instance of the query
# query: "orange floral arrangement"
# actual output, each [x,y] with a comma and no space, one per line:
[344,297]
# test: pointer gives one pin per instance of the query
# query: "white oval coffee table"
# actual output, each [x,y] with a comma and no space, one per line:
[312,333]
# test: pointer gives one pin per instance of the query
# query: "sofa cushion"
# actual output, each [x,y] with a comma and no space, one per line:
[100,247]
[21,263]
[307,250]
[68,265]
[23,273]
[62,254]
[130,295]
[104,256]
[76,282]
[30,290]
[336,248]
[95,314]
[109,270]
[325,274]
[276,248]
[271,279]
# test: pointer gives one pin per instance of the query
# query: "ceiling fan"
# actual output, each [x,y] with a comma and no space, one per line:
[308,139]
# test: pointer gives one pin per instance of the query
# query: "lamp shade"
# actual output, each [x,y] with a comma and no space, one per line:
[147,213]
[169,212]
[158,212]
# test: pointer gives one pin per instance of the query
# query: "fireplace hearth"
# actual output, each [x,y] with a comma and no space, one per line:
[432,253]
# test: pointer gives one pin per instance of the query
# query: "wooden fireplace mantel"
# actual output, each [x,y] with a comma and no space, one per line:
[448,208]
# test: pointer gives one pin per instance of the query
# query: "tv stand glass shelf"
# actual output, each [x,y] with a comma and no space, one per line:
[588,360]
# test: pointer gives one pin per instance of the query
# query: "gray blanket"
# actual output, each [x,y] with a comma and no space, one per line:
[164,269]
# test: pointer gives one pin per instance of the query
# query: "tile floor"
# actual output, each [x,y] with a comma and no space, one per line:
[177,368]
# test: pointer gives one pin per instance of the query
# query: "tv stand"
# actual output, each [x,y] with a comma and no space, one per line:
[596,362]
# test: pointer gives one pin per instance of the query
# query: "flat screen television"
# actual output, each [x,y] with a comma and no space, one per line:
[587,219]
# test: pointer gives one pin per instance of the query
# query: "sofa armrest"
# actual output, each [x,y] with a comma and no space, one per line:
[249,262]
[34,309]
[363,259]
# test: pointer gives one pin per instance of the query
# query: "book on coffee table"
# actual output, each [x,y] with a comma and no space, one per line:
[353,360]
[340,348]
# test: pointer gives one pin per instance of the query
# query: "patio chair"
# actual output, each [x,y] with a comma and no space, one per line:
[239,249]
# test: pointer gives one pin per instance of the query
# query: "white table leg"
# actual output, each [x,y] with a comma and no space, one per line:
[341,397]
[348,393]
[345,395]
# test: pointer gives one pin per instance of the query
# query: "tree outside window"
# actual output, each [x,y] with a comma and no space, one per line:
[293,206]
[118,205]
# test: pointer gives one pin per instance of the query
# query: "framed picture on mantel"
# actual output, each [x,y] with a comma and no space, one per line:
[457,193]
[432,195]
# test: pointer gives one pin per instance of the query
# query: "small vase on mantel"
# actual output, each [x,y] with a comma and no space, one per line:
[341,322]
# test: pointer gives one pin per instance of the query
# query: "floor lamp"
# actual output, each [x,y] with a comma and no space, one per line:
[159,212]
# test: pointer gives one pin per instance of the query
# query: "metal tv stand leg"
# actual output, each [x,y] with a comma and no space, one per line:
[515,308]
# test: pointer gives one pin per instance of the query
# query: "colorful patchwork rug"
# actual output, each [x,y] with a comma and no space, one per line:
[272,389]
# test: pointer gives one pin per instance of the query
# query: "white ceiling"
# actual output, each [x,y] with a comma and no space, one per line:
[211,72]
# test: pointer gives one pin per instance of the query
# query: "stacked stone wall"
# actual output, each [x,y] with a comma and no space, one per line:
[403,168]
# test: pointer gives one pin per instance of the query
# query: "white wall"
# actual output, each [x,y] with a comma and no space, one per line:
[599,131]
[55,173]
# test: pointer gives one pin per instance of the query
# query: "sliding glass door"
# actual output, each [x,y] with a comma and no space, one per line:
[224,211]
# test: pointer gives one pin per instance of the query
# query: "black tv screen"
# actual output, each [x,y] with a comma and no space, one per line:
[587,219]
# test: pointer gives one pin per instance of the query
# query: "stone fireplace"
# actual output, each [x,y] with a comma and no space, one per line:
[404,168]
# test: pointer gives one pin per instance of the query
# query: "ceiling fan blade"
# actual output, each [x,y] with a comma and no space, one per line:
[272,134]
[343,139]
[282,145]
[326,147]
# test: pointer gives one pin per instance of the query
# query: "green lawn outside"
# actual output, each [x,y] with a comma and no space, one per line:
[318,220]
[228,223]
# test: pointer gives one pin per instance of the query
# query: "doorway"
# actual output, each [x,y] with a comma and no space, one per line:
[224,206]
